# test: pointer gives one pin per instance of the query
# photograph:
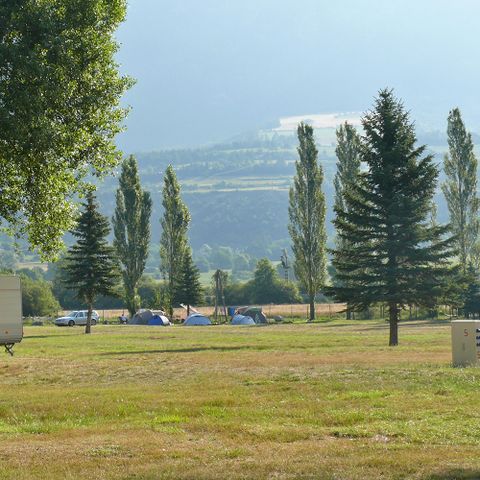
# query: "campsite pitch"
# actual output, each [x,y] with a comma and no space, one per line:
[319,401]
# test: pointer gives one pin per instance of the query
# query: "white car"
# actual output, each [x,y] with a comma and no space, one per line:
[78,317]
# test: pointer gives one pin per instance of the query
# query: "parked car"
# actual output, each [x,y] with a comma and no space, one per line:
[78,317]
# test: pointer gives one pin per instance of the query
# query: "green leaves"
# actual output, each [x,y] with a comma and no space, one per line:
[460,187]
[348,164]
[60,109]
[307,216]
[131,226]
[174,242]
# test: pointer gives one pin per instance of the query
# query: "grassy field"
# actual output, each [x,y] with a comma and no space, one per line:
[318,401]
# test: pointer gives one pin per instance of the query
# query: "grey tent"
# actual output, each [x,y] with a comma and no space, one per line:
[144,317]
[242,320]
[197,319]
[253,312]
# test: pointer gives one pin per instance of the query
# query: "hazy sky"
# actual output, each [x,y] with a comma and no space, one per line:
[209,69]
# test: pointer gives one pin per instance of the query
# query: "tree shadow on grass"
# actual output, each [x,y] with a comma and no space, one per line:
[187,350]
[409,324]
[54,335]
[339,325]
[454,474]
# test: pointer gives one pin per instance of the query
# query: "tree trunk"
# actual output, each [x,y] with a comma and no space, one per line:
[393,318]
[131,300]
[349,313]
[312,308]
[188,310]
[88,326]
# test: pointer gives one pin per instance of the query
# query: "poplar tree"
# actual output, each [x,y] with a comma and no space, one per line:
[390,251]
[460,187]
[348,161]
[189,289]
[131,227]
[173,242]
[348,167]
[91,267]
[307,218]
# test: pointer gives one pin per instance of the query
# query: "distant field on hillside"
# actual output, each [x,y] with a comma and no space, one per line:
[237,192]
[324,401]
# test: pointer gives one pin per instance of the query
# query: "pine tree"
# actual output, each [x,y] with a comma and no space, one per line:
[460,188]
[189,289]
[91,266]
[131,227]
[471,307]
[393,253]
[173,242]
[348,168]
[307,218]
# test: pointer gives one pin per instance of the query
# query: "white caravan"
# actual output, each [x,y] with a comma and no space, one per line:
[11,326]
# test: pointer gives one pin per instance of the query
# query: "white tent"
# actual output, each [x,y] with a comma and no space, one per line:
[242,320]
[197,319]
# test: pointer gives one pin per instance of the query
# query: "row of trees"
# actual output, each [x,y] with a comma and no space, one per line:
[389,247]
[44,292]
[93,267]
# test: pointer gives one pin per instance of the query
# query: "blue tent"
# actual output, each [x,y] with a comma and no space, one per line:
[242,320]
[159,320]
[197,319]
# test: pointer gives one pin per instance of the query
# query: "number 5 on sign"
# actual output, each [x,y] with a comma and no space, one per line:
[465,332]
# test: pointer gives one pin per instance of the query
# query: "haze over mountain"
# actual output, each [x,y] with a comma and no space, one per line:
[209,70]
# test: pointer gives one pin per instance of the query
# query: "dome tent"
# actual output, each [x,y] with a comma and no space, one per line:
[242,320]
[160,320]
[197,319]
[255,313]
[145,316]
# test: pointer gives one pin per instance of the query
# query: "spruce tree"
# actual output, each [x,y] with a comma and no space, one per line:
[91,267]
[460,187]
[392,252]
[348,168]
[189,289]
[173,242]
[131,227]
[307,218]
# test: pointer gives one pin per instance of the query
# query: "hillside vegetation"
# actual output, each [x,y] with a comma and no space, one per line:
[237,192]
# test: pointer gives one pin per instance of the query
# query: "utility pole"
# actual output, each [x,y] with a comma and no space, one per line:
[285,263]
[219,293]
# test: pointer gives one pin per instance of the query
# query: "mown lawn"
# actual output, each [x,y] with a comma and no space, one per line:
[326,401]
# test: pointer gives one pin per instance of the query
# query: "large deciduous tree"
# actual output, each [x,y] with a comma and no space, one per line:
[91,267]
[460,188]
[393,253]
[60,94]
[307,218]
[131,227]
[267,286]
[173,242]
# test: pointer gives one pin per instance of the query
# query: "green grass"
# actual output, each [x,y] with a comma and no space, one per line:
[325,401]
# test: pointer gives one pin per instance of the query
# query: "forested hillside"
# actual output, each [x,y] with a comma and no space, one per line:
[237,192]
